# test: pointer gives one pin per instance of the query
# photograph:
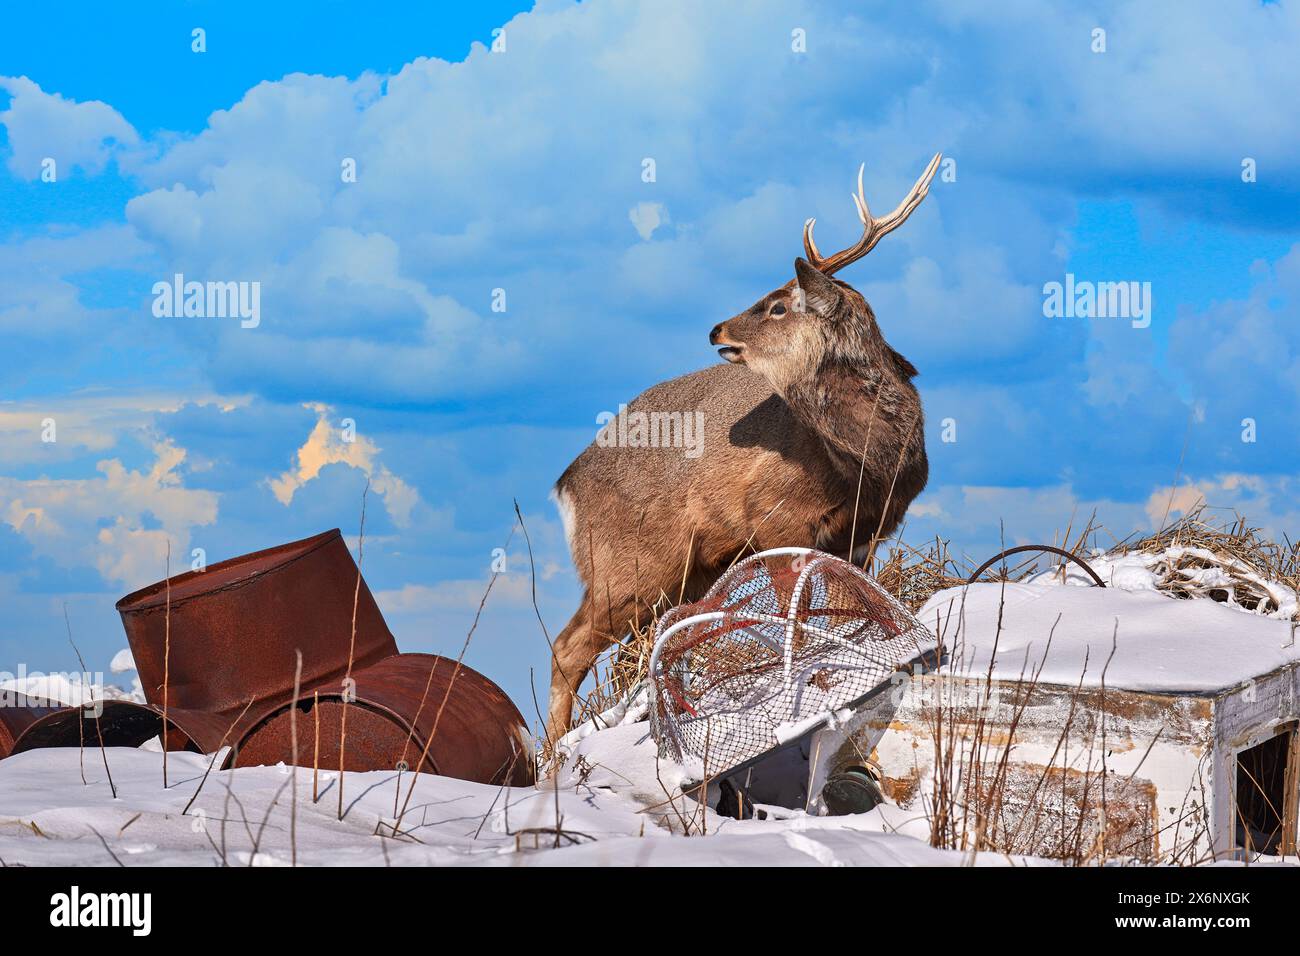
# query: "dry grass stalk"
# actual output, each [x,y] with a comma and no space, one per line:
[103,753]
[352,646]
[548,744]
[81,716]
[913,575]
[1227,560]
[618,672]
[1178,473]
[428,684]
[967,808]
[869,563]
[862,470]
[1197,556]
[81,729]
[106,847]
[315,754]
[452,683]
[167,657]
[293,770]
[1060,807]
[224,738]
[261,828]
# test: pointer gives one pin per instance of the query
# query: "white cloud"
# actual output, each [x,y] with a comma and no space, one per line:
[518,171]
[512,587]
[981,518]
[395,270]
[646,217]
[45,319]
[326,445]
[92,421]
[457,594]
[1247,347]
[40,125]
[119,523]
[1270,503]
[969,309]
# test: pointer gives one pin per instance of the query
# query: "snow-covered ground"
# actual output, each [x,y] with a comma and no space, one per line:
[609,801]
[1160,643]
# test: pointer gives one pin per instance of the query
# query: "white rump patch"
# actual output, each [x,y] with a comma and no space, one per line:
[564,504]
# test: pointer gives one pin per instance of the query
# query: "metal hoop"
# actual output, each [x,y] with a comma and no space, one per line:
[1036,547]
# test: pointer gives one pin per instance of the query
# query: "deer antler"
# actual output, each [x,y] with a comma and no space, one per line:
[873,229]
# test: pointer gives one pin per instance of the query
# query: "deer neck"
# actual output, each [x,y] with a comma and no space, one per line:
[856,409]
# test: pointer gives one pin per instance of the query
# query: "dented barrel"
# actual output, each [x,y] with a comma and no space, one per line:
[407,712]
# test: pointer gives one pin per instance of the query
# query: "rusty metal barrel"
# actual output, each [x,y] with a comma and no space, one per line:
[229,634]
[224,641]
[407,711]
[18,713]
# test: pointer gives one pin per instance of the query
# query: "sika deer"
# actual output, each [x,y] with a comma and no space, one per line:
[813,422]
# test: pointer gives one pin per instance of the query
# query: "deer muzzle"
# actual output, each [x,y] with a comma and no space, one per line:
[730,350]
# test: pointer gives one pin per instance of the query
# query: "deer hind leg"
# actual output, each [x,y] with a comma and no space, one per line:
[575,651]
[569,666]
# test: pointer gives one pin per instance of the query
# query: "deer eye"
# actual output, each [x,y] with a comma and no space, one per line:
[777,310]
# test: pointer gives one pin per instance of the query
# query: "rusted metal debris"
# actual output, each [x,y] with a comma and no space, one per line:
[1050,549]
[17,713]
[216,651]
[405,708]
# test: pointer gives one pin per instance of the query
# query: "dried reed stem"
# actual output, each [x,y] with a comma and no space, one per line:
[862,468]
[315,756]
[293,770]
[454,674]
[224,738]
[81,732]
[167,654]
[352,646]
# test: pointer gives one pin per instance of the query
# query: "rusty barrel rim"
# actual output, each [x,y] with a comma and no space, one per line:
[481,736]
[18,713]
[230,632]
[224,575]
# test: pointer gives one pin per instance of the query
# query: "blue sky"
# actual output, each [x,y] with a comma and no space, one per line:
[521,170]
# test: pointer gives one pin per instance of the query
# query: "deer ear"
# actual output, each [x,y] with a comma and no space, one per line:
[820,293]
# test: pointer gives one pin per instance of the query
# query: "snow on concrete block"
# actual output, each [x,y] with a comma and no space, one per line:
[1089,724]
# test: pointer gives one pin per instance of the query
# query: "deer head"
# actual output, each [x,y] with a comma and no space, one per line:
[790,333]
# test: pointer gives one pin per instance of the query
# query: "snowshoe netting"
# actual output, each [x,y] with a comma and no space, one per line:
[778,642]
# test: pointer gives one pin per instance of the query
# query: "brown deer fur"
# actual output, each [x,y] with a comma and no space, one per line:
[813,401]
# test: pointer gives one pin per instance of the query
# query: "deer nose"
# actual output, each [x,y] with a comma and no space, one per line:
[713,336]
